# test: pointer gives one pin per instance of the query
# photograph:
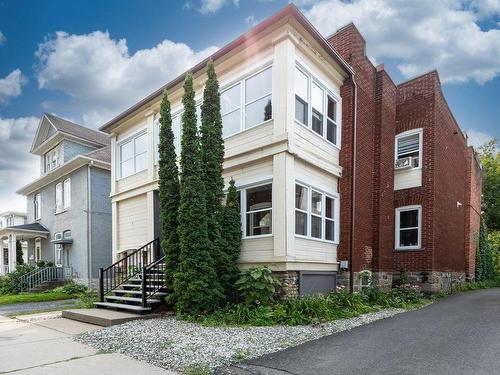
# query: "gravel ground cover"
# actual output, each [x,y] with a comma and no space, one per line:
[178,345]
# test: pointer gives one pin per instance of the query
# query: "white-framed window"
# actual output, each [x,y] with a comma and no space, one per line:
[37,206]
[133,155]
[257,210]
[408,149]
[38,249]
[67,234]
[63,195]
[58,251]
[316,107]
[316,213]
[53,158]
[408,227]
[247,103]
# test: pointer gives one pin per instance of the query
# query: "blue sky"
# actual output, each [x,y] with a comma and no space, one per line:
[89,60]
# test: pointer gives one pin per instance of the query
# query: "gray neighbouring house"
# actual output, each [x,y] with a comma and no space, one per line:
[68,206]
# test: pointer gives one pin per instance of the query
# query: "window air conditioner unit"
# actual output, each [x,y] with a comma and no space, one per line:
[403,163]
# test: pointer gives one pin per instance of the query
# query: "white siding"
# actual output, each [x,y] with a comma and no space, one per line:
[407,178]
[315,251]
[132,223]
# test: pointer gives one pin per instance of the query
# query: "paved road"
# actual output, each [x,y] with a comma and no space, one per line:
[47,348]
[23,308]
[456,335]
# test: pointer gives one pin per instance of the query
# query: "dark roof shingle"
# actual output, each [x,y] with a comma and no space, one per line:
[71,128]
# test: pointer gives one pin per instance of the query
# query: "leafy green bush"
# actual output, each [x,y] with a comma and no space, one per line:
[257,285]
[88,298]
[377,297]
[406,293]
[73,289]
[11,284]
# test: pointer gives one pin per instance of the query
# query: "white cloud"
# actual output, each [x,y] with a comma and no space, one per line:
[477,138]
[250,20]
[213,6]
[16,136]
[421,35]
[11,85]
[100,75]
[2,38]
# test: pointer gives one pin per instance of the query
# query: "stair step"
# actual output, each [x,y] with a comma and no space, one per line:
[131,299]
[122,306]
[155,281]
[139,285]
[138,292]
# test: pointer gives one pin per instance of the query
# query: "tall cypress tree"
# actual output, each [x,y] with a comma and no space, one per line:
[196,287]
[168,191]
[231,234]
[212,157]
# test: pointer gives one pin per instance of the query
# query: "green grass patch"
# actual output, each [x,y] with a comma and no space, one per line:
[33,297]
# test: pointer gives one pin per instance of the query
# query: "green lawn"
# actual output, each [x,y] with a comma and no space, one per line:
[33,297]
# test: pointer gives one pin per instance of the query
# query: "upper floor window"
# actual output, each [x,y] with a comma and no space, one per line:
[316,107]
[408,227]
[248,103]
[258,210]
[315,213]
[53,159]
[63,195]
[133,155]
[37,206]
[409,149]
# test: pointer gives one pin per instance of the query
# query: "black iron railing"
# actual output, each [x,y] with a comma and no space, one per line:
[152,280]
[132,265]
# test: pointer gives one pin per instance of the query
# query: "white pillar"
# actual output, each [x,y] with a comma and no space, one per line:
[12,252]
[1,256]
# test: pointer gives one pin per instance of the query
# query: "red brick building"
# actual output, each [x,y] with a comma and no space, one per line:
[411,186]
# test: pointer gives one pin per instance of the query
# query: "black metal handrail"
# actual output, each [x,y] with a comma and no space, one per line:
[152,280]
[133,264]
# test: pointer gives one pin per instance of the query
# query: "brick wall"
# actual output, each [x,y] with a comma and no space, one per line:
[472,212]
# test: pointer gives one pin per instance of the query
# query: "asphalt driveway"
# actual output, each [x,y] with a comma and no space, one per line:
[456,335]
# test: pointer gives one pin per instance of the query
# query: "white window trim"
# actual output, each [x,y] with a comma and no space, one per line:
[327,92]
[66,201]
[38,243]
[61,208]
[418,131]
[37,206]
[397,224]
[132,138]
[336,214]
[243,209]
[243,104]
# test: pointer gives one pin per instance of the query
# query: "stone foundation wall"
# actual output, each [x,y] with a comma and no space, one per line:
[289,284]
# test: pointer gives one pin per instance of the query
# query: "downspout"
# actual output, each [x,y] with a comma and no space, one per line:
[89,224]
[353,190]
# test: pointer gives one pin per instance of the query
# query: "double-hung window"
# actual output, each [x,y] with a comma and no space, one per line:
[408,227]
[409,149]
[247,103]
[133,155]
[316,107]
[37,206]
[63,195]
[52,159]
[258,210]
[315,213]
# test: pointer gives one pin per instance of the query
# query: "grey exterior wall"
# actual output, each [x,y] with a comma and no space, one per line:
[72,149]
[76,219]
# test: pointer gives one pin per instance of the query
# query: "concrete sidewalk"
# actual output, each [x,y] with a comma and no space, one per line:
[46,347]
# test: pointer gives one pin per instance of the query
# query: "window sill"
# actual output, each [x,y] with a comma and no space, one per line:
[130,175]
[256,237]
[315,239]
[317,134]
[60,212]
[407,249]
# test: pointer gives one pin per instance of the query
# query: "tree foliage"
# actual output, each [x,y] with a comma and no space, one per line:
[19,253]
[168,191]
[484,257]
[195,284]
[490,159]
[231,235]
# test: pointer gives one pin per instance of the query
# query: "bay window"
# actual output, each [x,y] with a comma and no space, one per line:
[316,214]
[247,103]
[316,107]
[133,155]
[258,210]
[408,227]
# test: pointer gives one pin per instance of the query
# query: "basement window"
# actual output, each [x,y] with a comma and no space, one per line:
[408,227]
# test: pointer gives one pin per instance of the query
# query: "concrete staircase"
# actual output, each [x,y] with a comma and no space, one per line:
[129,295]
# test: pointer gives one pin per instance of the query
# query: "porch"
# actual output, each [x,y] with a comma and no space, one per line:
[25,232]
